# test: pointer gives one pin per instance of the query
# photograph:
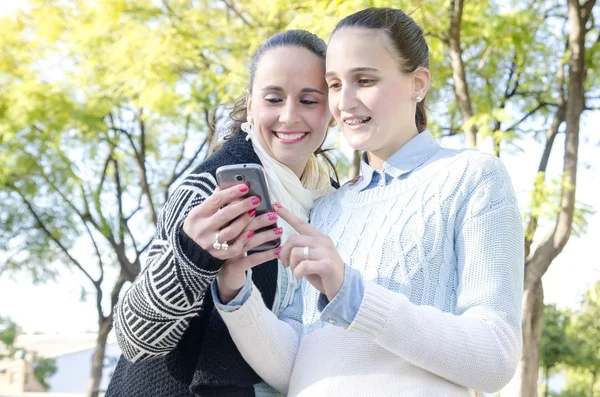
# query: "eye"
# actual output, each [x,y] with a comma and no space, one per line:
[335,86]
[273,100]
[366,81]
[307,101]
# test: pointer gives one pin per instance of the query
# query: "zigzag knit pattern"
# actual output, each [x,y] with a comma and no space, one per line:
[174,342]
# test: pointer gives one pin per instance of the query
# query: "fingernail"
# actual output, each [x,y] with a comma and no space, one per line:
[250,234]
[252,213]
[272,216]
[278,231]
[255,201]
[243,188]
[277,251]
[277,205]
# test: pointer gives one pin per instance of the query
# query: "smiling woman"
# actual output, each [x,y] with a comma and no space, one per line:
[413,273]
[173,341]
[287,104]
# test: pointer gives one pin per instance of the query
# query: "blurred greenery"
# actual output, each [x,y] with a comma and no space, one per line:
[104,106]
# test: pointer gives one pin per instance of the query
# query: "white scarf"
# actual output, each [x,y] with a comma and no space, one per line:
[296,195]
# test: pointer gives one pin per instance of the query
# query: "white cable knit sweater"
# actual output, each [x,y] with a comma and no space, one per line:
[441,253]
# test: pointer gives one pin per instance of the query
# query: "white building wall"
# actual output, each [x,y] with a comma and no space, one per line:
[73,370]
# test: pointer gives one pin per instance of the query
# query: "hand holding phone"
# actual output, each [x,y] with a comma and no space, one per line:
[207,224]
[253,177]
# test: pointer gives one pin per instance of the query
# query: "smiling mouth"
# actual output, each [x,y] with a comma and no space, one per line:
[290,137]
[357,121]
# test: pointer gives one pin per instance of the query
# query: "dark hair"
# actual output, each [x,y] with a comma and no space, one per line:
[290,38]
[406,39]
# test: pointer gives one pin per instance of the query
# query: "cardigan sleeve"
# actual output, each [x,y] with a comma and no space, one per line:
[153,314]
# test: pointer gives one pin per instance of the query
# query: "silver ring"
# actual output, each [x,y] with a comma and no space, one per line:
[305,253]
[217,245]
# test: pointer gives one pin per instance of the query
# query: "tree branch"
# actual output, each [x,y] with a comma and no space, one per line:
[231,7]
[50,235]
[119,194]
[144,248]
[182,151]
[555,241]
[530,113]
[461,87]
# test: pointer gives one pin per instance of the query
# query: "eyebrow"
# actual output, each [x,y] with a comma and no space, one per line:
[354,70]
[277,88]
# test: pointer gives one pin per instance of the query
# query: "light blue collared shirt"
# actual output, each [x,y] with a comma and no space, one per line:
[342,310]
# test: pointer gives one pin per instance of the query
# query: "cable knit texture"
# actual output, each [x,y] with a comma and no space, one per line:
[441,253]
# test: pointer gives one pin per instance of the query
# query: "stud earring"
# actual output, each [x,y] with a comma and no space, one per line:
[419,99]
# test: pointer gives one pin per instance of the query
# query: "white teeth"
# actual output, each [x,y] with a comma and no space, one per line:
[357,121]
[290,137]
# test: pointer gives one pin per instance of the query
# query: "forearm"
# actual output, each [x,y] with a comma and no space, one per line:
[478,349]
[152,316]
[267,343]
[154,313]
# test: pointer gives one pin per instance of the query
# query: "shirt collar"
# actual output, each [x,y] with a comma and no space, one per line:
[410,156]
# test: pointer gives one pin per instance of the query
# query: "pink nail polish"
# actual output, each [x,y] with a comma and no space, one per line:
[278,231]
[255,201]
[243,188]
[272,217]
[277,205]
[250,234]
[252,213]
[277,251]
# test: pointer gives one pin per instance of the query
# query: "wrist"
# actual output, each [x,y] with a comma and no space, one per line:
[337,286]
[229,285]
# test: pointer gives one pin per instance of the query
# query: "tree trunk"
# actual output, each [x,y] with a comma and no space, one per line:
[593,384]
[98,357]
[524,384]
[554,242]
[354,169]
[461,87]
[546,381]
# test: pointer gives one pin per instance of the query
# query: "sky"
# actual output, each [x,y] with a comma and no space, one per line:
[57,307]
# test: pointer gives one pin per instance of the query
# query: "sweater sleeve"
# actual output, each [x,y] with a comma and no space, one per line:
[153,314]
[263,339]
[478,346]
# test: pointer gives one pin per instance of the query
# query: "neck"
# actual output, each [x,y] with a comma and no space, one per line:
[298,168]
[378,157]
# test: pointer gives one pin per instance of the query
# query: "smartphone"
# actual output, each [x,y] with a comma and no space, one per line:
[253,176]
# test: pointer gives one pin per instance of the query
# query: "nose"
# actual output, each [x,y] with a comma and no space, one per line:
[289,113]
[347,98]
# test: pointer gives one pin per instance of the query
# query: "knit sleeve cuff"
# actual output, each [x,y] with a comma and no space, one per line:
[248,313]
[375,312]
[191,253]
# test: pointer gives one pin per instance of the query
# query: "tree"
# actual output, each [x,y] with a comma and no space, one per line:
[103,107]
[8,335]
[498,58]
[586,332]
[555,346]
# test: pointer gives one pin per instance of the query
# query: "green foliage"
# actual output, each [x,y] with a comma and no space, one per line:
[571,342]
[43,369]
[8,334]
[555,347]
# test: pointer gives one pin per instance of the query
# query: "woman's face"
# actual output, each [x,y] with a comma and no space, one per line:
[288,105]
[373,102]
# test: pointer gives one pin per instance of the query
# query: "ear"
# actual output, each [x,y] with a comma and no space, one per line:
[332,122]
[249,106]
[422,82]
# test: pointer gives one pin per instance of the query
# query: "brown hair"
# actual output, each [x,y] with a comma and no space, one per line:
[289,38]
[406,39]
